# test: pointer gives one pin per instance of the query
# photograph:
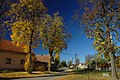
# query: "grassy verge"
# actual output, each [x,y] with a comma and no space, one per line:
[5,71]
[18,74]
[23,74]
[86,75]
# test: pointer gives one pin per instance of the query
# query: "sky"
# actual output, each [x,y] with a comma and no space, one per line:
[78,44]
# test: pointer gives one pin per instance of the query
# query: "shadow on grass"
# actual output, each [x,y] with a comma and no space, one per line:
[86,71]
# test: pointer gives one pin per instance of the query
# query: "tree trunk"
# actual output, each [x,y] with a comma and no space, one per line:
[57,61]
[30,54]
[113,68]
[111,52]
[51,59]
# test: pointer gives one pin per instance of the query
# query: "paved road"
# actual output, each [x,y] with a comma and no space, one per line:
[40,78]
[61,73]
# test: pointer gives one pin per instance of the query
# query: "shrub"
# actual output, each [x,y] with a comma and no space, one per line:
[40,68]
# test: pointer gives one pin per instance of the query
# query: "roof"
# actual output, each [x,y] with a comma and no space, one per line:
[43,58]
[7,45]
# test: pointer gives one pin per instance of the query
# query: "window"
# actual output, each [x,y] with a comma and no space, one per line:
[8,61]
[22,62]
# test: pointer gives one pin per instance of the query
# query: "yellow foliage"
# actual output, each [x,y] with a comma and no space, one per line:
[27,64]
[57,56]
[26,48]
[52,33]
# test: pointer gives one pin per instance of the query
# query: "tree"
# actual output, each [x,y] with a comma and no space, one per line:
[26,19]
[53,35]
[63,64]
[88,58]
[57,59]
[4,7]
[69,63]
[117,61]
[101,20]
[97,61]
[2,32]
[26,67]
[90,61]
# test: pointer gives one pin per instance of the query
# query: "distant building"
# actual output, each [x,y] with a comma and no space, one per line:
[82,66]
[11,57]
[43,58]
[42,61]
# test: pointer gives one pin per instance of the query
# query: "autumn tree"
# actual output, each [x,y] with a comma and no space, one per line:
[98,61]
[101,20]
[61,44]
[117,60]
[26,19]
[4,7]
[88,58]
[53,35]
[63,64]
[2,28]
[57,59]
[70,63]
[26,67]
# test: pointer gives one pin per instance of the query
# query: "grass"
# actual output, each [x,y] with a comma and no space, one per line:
[5,71]
[19,74]
[75,75]
[85,75]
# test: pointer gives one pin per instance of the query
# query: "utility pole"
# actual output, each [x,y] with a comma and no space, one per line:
[76,60]
[72,60]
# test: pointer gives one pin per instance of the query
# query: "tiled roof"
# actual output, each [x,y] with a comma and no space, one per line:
[43,58]
[7,45]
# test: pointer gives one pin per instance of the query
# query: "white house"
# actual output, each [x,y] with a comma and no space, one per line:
[82,66]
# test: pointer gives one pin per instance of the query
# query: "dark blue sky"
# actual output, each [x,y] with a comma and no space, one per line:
[78,44]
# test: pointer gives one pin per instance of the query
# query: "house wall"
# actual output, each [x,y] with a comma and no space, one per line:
[15,60]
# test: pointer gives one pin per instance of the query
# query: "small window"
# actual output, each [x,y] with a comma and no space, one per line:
[22,62]
[8,61]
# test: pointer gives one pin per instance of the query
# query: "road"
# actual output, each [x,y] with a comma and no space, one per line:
[40,78]
[61,73]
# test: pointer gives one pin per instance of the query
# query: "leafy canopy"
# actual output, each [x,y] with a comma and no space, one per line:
[26,16]
[53,33]
[101,21]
